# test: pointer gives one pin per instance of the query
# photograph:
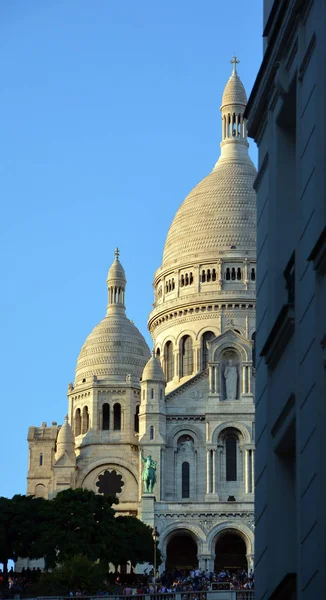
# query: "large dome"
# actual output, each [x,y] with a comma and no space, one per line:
[219,213]
[114,349]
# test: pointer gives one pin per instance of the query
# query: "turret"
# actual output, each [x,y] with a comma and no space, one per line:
[65,442]
[116,282]
[234,128]
[152,422]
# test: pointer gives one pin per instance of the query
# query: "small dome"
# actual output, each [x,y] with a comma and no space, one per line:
[234,92]
[114,349]
[65,435]
[116,271]
[153,370]
[65,442]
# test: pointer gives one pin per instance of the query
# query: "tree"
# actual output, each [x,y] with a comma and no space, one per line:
[81,522]
[137,544]
[75,522]
[21,527]
[75,574]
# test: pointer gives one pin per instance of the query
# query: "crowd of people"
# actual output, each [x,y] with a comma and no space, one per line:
[19,583]
[197,581]
[192,583]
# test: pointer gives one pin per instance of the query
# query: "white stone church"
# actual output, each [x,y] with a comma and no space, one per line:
[189,405]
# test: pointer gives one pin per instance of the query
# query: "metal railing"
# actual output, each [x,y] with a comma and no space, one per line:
[221,594]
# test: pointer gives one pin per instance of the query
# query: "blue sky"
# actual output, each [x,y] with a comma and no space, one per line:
[109,113]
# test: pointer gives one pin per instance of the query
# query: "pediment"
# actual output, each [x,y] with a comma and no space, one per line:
[65,461]
[230,338]
[195,389]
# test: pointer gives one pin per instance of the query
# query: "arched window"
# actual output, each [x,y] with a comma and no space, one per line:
[208,274]
[231,457]
[151,432]
[214,275]
[105,417]
[77,422]
[182,280]
[253,337]
[191,279]
[158,353]
[161,394]
[41,459]
[116,417]
[186,279]
[40,491]
[173,284]
[253,275]
[233,274]
[152,393]
[185,491]
[186,356]
[85,420]
[238,273]
[208,335]
[203,276]
[227,274]
[169,361]
[137,419]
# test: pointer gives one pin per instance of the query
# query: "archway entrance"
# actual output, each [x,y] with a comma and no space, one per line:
[230,552]
[181,552]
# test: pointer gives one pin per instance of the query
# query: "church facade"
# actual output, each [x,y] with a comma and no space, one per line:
[189,405]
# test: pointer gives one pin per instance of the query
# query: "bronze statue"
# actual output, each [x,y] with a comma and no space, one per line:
[149,472]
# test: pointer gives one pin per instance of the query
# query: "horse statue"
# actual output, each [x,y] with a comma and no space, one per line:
[149,473]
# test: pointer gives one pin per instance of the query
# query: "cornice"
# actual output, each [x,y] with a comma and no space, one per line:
[196,313]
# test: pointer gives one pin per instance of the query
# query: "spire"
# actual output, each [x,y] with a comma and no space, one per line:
[116,282]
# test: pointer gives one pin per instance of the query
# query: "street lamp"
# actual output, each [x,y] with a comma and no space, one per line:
[155,537]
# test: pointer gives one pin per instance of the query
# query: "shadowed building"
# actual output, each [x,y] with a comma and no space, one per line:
[286,113]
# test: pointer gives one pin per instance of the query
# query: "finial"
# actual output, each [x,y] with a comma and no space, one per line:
[117,253]
[66,420]
[234,62]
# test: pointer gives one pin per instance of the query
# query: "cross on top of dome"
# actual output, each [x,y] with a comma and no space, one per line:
[117,253]
[234,61]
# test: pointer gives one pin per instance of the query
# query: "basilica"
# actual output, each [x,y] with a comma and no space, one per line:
[186,408]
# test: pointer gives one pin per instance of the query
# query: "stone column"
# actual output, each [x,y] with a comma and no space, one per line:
[208,471]
[243,379]
[214,471]
[162,473]
[211,379]
[252,471]
[250,561]
[246,465]
[219,274]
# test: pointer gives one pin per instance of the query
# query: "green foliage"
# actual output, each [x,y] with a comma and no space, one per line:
[21,525]
[76,523]
[81,522]
[136,541]
[75,574]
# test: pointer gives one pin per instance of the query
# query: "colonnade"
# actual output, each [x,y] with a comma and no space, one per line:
[215,470]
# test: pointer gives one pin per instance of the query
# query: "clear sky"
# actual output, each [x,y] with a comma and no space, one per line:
[109,113]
